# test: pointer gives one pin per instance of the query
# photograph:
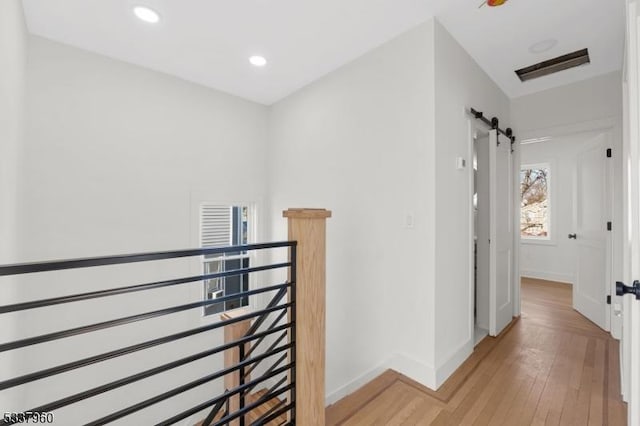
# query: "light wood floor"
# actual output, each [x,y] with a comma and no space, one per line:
[551,367]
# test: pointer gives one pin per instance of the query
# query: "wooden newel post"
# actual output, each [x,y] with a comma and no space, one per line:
[233,332]
[308,228]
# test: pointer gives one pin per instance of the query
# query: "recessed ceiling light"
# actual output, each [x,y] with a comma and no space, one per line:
[258,61]
[147,15]
[543,46]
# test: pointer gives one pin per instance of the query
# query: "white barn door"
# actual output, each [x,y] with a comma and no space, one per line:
[501,294]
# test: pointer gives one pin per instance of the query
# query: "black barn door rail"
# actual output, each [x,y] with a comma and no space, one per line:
[494,123]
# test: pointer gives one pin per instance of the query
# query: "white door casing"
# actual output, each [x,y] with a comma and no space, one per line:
[630,365]
[501,302]
[591,212]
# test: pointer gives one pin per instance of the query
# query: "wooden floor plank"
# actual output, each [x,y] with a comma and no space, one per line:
[552,367]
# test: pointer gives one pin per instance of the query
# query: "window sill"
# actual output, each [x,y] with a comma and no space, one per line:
[541,242]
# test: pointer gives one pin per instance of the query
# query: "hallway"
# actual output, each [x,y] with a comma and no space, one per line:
[551,367]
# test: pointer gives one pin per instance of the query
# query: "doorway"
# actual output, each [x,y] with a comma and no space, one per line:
[495,294]
[566,217]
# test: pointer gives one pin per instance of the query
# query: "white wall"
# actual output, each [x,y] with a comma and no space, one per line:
[360,142]
[581,102]
[12,64]
[594,104]
[460,84]
[118,159]
[102,134]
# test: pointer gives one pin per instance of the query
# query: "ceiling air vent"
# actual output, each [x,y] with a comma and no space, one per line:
[564,62]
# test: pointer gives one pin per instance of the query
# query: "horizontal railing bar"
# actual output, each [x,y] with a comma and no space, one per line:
[56,265]
[226,395]
[249,407]
[273,324]
[148,373]
[275,415]
[173,392]
[130,319]
[273,345]
[135,288]
[129,349]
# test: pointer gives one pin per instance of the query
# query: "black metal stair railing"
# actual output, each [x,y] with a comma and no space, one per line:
[270,324]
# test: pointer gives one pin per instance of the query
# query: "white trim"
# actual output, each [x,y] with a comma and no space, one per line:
[406,365]
[420,372]
[548,276]
[571,129]
[401,363]
[538,241]
[516,235]
[475,130]
[445,370]
[352,386]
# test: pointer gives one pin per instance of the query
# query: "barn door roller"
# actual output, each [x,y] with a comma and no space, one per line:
[494,124]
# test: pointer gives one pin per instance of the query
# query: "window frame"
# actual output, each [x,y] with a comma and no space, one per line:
[550,238]
[250,255]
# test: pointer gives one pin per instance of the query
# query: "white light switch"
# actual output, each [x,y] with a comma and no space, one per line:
[461,163]
[409,221]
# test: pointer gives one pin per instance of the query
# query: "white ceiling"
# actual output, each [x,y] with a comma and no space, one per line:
[209,41]
[499,38]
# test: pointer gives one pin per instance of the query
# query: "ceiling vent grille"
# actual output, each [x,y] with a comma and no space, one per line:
[561,63]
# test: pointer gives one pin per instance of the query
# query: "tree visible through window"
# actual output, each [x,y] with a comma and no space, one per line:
[534,197]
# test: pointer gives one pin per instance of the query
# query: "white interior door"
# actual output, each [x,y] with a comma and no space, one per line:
[592,240]
[630,365]
[501,233]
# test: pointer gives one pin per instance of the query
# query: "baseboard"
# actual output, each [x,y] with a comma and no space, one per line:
[548,276]
[401,363]
[414,369]
[357,383]
[444,371]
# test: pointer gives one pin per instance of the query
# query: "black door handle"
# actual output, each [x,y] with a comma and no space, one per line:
[622,289]
[573,237]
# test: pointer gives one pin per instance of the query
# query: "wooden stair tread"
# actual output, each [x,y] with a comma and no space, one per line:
[259,411]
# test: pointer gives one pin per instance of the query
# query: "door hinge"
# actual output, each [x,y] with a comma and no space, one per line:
[609,226]
[608,299]
[609,153]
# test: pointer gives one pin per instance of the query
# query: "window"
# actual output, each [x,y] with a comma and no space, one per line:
[534,202]
[223,226]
